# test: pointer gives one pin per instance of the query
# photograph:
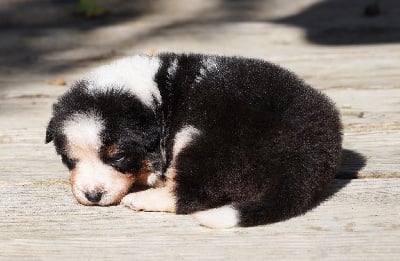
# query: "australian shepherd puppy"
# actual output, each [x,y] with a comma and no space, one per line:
[233,141]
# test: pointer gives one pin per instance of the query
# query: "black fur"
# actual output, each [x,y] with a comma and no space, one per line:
[268,144]
[129,124]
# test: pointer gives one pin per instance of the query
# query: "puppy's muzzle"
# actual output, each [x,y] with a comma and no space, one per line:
[94,196]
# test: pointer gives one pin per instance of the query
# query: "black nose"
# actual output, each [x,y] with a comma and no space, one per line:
[94,196]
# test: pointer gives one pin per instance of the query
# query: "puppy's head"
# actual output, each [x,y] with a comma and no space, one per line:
[109,140]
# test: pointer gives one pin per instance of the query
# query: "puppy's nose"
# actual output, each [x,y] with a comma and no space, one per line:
[94,196]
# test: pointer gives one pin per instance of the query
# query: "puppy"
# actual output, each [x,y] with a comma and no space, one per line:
[233,141]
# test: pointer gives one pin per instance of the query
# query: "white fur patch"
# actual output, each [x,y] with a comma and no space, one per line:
[135,74]
[154,179]
[83,130]
[91,174]
[208,65]
[223,217]
[183,138]
[172,68]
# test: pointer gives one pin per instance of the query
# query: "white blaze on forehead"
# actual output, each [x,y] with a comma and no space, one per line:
[183,138]
[135,74]
[83,131]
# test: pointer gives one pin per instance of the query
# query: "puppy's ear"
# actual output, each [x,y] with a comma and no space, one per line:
[50,131]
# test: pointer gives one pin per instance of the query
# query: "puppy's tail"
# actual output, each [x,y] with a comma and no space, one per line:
[243,215]
[223,217]
[246,214]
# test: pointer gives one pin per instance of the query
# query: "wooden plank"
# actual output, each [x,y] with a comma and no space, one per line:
[40,162]
[381,152]
[371,129]
[39,217]
[361,221]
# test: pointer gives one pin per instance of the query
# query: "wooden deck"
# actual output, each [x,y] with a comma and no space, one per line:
[352,58]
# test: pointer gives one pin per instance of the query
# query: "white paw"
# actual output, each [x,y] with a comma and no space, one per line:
[158,199]
[132,201]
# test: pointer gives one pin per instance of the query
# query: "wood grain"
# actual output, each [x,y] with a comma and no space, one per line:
[39,218]
[42,220]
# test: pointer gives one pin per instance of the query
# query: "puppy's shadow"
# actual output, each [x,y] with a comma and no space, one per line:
[351,163]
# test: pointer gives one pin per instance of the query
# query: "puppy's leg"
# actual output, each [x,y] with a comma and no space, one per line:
[158,199]
[154,199]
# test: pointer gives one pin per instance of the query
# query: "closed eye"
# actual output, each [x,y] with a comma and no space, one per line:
[119,159]
[125,164]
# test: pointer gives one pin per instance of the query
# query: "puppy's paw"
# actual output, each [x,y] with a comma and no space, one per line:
[159,199]
[132,201]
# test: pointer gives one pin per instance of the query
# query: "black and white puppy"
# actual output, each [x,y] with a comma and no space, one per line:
[234,141]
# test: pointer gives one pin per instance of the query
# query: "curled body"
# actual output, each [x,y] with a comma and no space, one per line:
[233,141]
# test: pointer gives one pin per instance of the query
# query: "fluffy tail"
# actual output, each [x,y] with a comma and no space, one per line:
[222,217]
[251,213]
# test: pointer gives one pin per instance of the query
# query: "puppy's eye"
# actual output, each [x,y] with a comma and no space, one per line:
[119,159]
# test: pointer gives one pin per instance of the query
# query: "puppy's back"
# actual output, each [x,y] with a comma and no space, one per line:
[271,141]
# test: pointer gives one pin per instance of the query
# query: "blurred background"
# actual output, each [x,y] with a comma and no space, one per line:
[52,36]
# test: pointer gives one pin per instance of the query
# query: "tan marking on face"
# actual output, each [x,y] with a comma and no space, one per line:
[113,184]
[144,173]
[112,150]
[92,174]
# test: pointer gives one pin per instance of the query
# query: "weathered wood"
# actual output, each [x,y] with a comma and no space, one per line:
[371,129]
[41,220]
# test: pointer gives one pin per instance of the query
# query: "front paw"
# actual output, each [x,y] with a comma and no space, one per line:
[132,201]
[154,199]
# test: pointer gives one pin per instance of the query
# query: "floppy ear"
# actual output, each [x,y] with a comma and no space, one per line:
[50,131]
